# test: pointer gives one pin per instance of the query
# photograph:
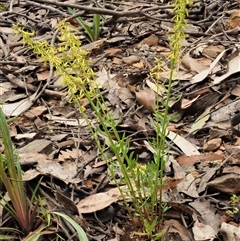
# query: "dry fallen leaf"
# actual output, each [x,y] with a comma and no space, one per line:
[187,147]
[103,76]
[230,232]
[159,89]
[147,98]
[96,202]
[201,120]
[17,108]
[191,160]
[187,103]
[234,20]
[131,59]
[213,50]
[202,75]
[93,45]
[113,51]
[233,67]
[152,40]
[192,64]
[43,75]
[139,65]
[171,183]
[5,87]
[203,232]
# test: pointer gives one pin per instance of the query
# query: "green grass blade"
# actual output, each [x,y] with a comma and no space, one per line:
[6,237]
[35,190]
[87,28]
[14,184]
[96,26]
[34,236]
[7,145]
[81,233]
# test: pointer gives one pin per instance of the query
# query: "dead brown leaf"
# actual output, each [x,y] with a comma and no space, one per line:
[232,68]
[213,50]
[97,202]
[171,183]
[152,40]
[192,64]
[234,20]
[190,160]
[44,75]
[147,98]
[113,51]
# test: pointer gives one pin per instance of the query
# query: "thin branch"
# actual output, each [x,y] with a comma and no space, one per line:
[47,7]
[101,10]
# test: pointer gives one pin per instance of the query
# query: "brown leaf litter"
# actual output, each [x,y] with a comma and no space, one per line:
[53,139]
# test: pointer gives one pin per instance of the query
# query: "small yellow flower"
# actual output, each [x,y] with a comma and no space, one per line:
[68,59]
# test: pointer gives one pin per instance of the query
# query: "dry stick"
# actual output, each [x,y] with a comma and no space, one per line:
[11,6]
[224,32]
[9,61]
[100,10]
[16,81]
[25,16]
[76,15]
[213,14]
[3,47]
[47,7]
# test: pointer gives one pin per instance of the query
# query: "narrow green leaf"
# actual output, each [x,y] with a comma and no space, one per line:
[14,184]
[81,233]
[88,30]
[86,27]
[33,237]
[96,26]
[6,237]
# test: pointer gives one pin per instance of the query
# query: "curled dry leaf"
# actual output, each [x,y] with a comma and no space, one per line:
[234,20]
[191,160]
[230,232]
[203,74]
[152,40]
[192,64]
[159,89]
[213,50]
[147,98]
[131,59]
[98,201]
[187,103]
[233,67]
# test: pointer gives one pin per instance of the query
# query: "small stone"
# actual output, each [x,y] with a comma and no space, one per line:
[212,145]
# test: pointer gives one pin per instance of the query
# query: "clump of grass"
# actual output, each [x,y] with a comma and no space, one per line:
[30,214]
[11,178]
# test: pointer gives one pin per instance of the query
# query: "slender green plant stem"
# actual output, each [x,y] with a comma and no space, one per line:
[180,9]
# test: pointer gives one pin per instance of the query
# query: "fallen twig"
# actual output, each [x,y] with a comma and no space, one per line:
[102,10]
